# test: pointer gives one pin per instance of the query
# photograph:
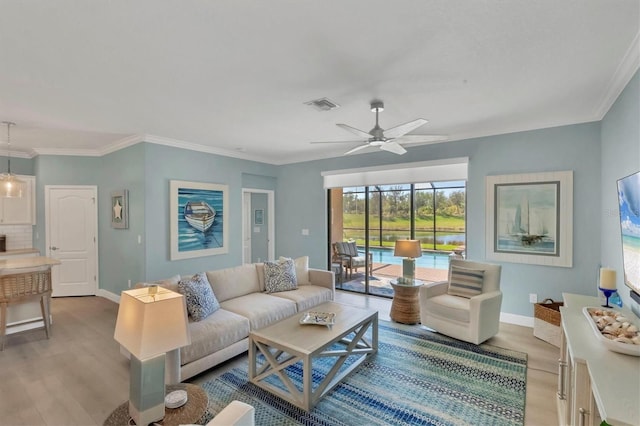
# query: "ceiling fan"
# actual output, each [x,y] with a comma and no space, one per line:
[388,140]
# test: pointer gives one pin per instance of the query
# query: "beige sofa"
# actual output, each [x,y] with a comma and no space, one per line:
[244,306]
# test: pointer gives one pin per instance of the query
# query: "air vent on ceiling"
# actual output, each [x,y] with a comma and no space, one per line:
[322,104]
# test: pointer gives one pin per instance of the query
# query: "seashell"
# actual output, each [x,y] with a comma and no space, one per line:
[636,340]
[609,319]
[629,334]
[609,336]
[623,340]
[608,330]
[597,312]
[632,328]
[601,323]
[616,325]
[626,325]
[621,318]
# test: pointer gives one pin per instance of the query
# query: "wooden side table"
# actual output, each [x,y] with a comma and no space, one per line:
[189,413]
[405,307]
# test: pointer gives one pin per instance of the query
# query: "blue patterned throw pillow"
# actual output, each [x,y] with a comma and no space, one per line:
[465,282]
[201,302]
[280,276]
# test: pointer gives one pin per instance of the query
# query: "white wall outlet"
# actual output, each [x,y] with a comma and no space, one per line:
[139,239]
[533,298]
[129,283]
[305,232]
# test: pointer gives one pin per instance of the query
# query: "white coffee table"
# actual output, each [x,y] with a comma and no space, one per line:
[287,342]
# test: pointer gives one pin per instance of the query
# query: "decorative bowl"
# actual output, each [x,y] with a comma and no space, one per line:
[599,317]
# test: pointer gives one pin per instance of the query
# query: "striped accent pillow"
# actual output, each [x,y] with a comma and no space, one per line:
[465,282]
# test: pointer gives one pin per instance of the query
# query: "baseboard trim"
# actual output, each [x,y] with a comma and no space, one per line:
[108,295]
[516,319]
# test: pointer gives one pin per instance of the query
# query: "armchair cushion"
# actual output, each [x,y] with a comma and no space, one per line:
[450,307]
[465,282]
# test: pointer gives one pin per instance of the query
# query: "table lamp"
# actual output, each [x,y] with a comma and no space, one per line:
[410,249]
[151,321]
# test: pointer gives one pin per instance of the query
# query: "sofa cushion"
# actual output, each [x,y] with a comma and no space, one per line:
[280,275]
[216,332]
[307,296]
[234,282]
[169,283]
[465,282]
[450,307]
[199,297]
[260,308]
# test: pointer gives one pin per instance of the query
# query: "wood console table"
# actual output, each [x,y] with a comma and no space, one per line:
[594,383]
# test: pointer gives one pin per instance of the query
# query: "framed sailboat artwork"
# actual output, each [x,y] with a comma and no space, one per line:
[529,218]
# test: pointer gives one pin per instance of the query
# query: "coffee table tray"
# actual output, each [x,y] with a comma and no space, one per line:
[318,318]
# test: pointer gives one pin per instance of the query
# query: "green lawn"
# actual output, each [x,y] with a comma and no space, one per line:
[400,228]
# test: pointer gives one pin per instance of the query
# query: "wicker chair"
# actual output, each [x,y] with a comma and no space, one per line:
[23,287]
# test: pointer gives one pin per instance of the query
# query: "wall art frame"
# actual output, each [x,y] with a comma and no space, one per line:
[529,218]
[120,209]
[258,217]
[199,219]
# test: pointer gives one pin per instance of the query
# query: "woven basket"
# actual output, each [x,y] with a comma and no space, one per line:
[546,322]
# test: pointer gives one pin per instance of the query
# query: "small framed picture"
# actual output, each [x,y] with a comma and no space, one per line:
[258,217]
[120,209]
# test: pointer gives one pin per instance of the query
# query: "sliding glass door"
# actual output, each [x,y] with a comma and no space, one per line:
[372,218]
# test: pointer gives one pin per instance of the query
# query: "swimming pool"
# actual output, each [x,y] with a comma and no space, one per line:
[428,259]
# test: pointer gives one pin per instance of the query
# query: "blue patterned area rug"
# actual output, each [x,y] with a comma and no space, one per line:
[416,378]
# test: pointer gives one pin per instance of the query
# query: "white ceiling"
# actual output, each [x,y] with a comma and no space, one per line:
[87,77]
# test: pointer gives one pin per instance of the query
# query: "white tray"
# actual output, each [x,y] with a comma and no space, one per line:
[318,318]
[623,348]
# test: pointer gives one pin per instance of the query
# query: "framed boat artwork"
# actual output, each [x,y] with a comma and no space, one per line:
[529,218]
[199,219]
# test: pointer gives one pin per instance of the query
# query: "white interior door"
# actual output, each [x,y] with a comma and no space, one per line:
[71,237]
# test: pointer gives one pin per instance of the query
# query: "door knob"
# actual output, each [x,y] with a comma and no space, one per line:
[53,248]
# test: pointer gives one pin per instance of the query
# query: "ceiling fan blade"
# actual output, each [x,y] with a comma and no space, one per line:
[421,139]
[394,147]
[357,148]
[355,131]
[337,142]
[403,129]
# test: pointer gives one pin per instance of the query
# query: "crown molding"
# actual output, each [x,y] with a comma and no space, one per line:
[625,71]
[202,148]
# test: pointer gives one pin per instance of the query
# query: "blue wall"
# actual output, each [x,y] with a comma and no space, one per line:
[599,153]
[574,148]
[163,164]
[620,156]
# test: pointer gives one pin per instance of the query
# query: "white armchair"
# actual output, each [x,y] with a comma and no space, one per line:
[472,318]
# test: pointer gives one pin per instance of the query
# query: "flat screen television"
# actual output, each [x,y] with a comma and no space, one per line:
[629,204]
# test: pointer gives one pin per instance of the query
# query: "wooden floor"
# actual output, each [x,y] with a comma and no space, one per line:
[79,376]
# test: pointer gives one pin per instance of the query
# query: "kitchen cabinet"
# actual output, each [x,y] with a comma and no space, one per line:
[20,211]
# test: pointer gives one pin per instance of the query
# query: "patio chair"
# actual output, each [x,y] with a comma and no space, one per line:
[348,253]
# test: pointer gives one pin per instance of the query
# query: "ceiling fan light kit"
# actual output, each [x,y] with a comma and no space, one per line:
[389,140]
[10,185]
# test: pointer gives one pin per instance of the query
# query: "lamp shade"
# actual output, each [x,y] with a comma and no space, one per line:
[152,321]
[408,248]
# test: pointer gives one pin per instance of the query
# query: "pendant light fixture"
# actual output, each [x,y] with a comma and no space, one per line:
[10,185]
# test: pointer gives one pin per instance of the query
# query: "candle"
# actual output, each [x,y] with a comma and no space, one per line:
[608,278]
